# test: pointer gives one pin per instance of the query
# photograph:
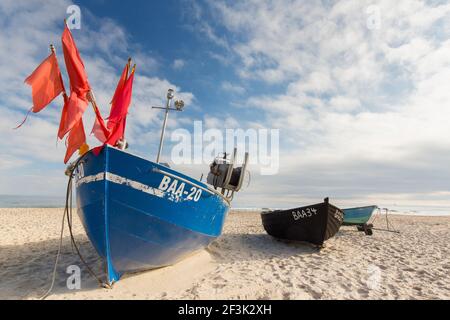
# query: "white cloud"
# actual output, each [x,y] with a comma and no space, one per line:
[8,162]
[363,111]
[198,23]
[227,122]
[178,64]
[232,88]
[316,82]
[343,103]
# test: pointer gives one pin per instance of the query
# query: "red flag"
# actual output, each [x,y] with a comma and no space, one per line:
[46,83]
[79,85]
[73,110]
[100,130]
[75,140]
[74,64]
[119,110]
[121,83]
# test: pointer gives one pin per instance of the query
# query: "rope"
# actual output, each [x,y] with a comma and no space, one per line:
[376,215]
[69,215]
[74,244]
[57,259]
[389,226]
[69,223]
[26,117]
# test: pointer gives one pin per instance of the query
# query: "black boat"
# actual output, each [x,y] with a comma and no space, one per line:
[315,223]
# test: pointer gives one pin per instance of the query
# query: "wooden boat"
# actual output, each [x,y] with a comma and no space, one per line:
[314,224]
[358,215]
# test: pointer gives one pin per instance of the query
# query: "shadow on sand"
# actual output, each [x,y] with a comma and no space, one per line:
[26,270]
[231,247]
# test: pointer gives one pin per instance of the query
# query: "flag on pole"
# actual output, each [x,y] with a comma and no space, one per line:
[100,130]
[79,85]
[75,106]
[73,110]
[46,83]
[75,66]
[119,110]
[75,140]
[121,83]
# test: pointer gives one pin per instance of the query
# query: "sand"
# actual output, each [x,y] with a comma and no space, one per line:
[244,263]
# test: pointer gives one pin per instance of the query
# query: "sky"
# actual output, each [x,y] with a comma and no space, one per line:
[359,91]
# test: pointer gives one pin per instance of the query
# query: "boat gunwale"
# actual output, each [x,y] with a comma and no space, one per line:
[278,211]
[365,207]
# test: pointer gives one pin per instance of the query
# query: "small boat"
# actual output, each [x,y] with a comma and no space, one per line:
[358,215]
[141,215]
[315,223]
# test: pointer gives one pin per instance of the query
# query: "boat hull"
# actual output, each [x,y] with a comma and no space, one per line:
[140,215]
[358,216]
[315,224]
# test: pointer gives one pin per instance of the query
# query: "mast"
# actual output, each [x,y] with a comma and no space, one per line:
[179,104]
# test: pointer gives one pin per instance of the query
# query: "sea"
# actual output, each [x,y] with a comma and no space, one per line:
[18,201]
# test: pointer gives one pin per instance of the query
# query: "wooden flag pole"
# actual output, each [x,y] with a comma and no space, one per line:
[129,65]
[53,50]
[91,99]
[65,97]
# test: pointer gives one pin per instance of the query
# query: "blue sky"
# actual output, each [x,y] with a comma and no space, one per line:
[166,31]
[362,108]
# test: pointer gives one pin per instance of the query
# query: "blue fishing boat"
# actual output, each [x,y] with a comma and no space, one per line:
[358,215]
[141,214]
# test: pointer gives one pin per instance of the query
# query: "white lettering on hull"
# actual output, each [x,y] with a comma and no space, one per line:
[305,213]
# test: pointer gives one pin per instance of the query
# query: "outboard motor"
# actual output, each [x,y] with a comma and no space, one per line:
[223,175]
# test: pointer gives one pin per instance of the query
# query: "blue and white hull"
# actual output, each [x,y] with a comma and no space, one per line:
[359,215]
[141,215]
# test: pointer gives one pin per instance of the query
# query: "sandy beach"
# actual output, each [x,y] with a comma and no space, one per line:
[244,263]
